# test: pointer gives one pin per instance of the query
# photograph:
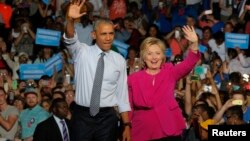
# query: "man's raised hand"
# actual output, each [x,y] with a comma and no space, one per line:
[74,10]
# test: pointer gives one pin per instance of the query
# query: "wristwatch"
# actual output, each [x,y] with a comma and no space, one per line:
[129,124]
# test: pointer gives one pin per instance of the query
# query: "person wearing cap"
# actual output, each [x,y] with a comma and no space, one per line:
[8,117]
[32,116]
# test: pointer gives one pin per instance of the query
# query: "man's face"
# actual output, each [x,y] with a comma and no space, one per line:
[31,100]
[104,35]
[61,110]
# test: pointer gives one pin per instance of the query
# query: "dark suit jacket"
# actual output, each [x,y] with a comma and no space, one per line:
[48,130]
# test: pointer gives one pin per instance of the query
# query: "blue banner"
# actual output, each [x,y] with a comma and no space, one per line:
[168,52]
[35,71]
[233,40]
[55,61]
[202,48]
[122,47]
[46,2]
[48,37]
[31,71]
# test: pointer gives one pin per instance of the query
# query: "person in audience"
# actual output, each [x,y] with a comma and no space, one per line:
[19,103]
[8,117]
[52,129]
[44,55]
[46,103]
[234,116]
[132,61]
[240,96]
[32,115]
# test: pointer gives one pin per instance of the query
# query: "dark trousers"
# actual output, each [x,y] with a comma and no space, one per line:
[102,127]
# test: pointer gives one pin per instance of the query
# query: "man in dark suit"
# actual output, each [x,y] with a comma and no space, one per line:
[55,128]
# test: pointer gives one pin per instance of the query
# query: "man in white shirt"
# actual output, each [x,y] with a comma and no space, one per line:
[94,117]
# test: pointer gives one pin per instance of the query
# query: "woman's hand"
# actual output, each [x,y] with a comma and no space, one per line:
[190,34]
[74,10]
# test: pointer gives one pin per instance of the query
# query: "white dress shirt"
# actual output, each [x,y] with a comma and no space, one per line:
[114,90]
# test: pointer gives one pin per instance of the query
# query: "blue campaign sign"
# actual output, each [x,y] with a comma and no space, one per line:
[202,48]
[46,2]
[48,37]
[233,40]
[55,61]
[168,52]
[31,71]
[122,47]
[123,52]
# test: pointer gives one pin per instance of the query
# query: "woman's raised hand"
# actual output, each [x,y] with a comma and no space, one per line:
[74,10]
[190,33]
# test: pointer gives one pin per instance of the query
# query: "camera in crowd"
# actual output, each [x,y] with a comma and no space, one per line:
[207,88]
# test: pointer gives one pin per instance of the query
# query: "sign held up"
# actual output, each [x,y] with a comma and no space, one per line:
[48,37]
[233,40]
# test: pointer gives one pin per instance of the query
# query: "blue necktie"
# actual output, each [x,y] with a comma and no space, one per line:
[96,90]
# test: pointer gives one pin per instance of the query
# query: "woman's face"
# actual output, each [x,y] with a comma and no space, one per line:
[132,54]
[152,32]
[206,34]
[153,57]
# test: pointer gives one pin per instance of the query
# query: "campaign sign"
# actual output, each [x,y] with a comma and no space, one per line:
[168,52]
[31,71]
[46,2]
[233,40]
[53,63]
[122,47]
[48,37]
[202,48]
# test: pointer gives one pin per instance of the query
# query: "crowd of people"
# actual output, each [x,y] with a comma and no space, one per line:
[102,94]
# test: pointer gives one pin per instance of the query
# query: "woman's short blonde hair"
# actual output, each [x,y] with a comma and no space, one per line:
[146,43]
